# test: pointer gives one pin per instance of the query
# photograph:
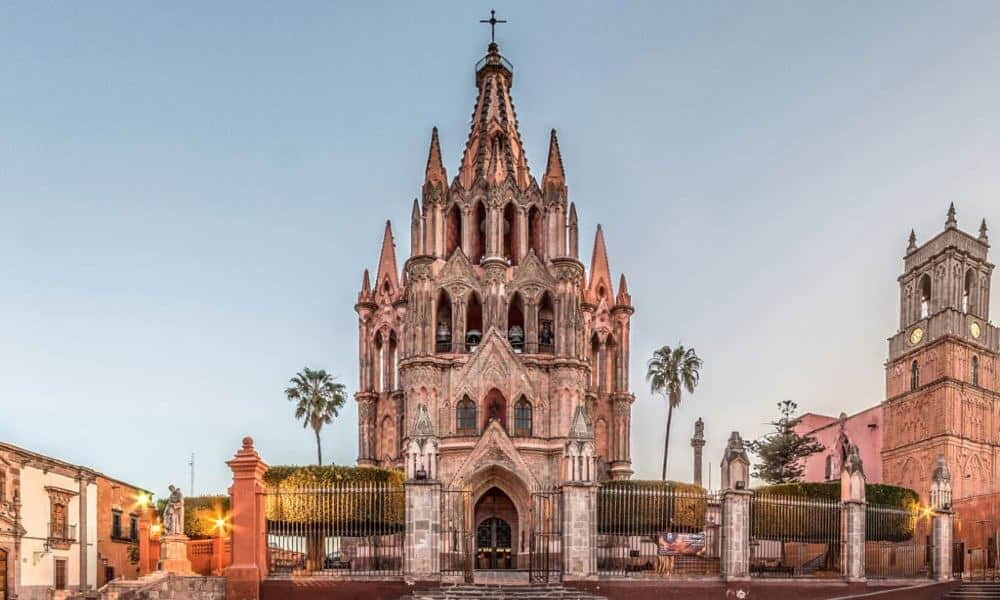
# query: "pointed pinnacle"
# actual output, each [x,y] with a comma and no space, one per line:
[554,173]
[913,241]
[572,214]
[366,284]
[951,221]
[415,214]
[435,172]
[983,231]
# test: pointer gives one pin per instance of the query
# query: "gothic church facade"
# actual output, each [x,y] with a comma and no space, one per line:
[494,324]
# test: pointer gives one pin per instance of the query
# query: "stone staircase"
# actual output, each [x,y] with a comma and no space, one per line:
[976,590]
[552,591]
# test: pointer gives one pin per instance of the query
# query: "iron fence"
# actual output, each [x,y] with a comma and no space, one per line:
[545,555]
[657,532]
[336,530]
[795,537]
[456,542]
[896,543]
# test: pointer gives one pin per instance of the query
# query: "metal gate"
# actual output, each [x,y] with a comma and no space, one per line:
[457,537]
[545,559]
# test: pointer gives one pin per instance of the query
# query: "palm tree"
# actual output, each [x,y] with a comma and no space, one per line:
[670,371]
[318,398]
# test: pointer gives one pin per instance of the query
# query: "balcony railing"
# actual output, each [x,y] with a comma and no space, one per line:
[61,535]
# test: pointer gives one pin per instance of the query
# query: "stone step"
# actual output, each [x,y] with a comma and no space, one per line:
[503,592]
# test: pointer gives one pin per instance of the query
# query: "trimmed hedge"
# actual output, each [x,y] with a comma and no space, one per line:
[337,500]
[636,507]
[200,514]
[894,519]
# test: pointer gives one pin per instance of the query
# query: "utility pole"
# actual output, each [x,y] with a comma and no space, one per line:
[191,464]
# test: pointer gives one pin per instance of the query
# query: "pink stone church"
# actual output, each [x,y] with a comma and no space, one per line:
[942,391]
[494,324]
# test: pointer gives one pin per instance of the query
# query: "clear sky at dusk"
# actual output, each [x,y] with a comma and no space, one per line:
[189,194]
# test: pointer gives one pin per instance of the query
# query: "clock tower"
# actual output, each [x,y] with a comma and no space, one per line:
[942,393]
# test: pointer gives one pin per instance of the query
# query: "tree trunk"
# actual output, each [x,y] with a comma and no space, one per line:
[666,438]
[319,450]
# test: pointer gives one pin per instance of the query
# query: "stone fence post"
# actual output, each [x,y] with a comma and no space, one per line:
[852,521]
[423,500]
[941,521]
[249,525]
[736,498]
[579,530]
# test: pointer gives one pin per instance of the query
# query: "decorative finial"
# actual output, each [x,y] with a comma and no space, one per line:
[952,222]
[982,231]
[913,242]
[493,20]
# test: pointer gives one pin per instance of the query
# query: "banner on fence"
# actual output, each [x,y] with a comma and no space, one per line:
[670,543]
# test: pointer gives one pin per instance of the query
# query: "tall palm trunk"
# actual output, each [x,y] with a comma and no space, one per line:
[319,448]
[666,438]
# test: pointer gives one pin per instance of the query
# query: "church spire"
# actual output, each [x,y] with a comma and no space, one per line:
[600,272]
[555,176]
[951,222]
[387,272]
[435,173]
[494,151]
[623,298]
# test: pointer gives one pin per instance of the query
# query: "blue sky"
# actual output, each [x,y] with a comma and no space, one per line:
[189,193]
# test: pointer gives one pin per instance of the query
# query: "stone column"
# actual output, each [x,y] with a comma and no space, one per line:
[941,525]
[249,527]
[144,546]
[423,526]
[853,506]
[579,530]
[697,445]
[736,535]
[83,480]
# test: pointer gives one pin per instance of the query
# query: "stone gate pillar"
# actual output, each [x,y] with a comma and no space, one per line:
[579,496]
[735,466]
[852,523]
[249,525]
[423,500]
[941,521]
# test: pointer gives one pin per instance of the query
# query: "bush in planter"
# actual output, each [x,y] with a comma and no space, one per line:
[339,500]
[635,507]
[820,521]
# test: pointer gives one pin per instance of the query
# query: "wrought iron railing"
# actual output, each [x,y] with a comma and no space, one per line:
[657,532]
[456,543]
[795,537]
[62,532]
[896,543]
[336,530]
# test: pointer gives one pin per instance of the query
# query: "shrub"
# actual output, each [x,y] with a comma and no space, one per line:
[636,507]
[820,521]
[200,514]
[337,500]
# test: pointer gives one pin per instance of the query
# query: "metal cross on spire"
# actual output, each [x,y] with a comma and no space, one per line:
[493,20]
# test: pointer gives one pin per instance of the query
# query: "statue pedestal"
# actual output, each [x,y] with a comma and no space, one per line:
[173,555]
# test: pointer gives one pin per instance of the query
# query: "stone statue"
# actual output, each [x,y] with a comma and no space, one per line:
[173,515]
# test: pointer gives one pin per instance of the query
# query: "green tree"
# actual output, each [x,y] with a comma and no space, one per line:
[781,451]
[318,399]
[669,372]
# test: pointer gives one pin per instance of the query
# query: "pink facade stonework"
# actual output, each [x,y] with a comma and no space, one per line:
[863,429]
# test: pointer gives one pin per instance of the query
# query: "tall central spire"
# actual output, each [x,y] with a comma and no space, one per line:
[494,151]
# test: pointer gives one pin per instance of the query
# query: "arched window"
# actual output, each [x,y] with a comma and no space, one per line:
[535,230]
[515,322]
[975,370]
[442,330]
[596,364]
[391,372]
[925,296]
[522,418]
[914,376]
[465,417]
[546,325]
[473,322]
[378,360]
[970,280]
[478,233]
[509,234]
[453,229]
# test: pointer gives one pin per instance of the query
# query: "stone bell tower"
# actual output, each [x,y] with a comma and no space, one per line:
[942,393]
[494,326]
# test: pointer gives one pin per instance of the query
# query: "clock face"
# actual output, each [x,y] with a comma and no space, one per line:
[975,330]
[916,336]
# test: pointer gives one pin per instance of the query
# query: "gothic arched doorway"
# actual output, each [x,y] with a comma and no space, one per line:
[496,531]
